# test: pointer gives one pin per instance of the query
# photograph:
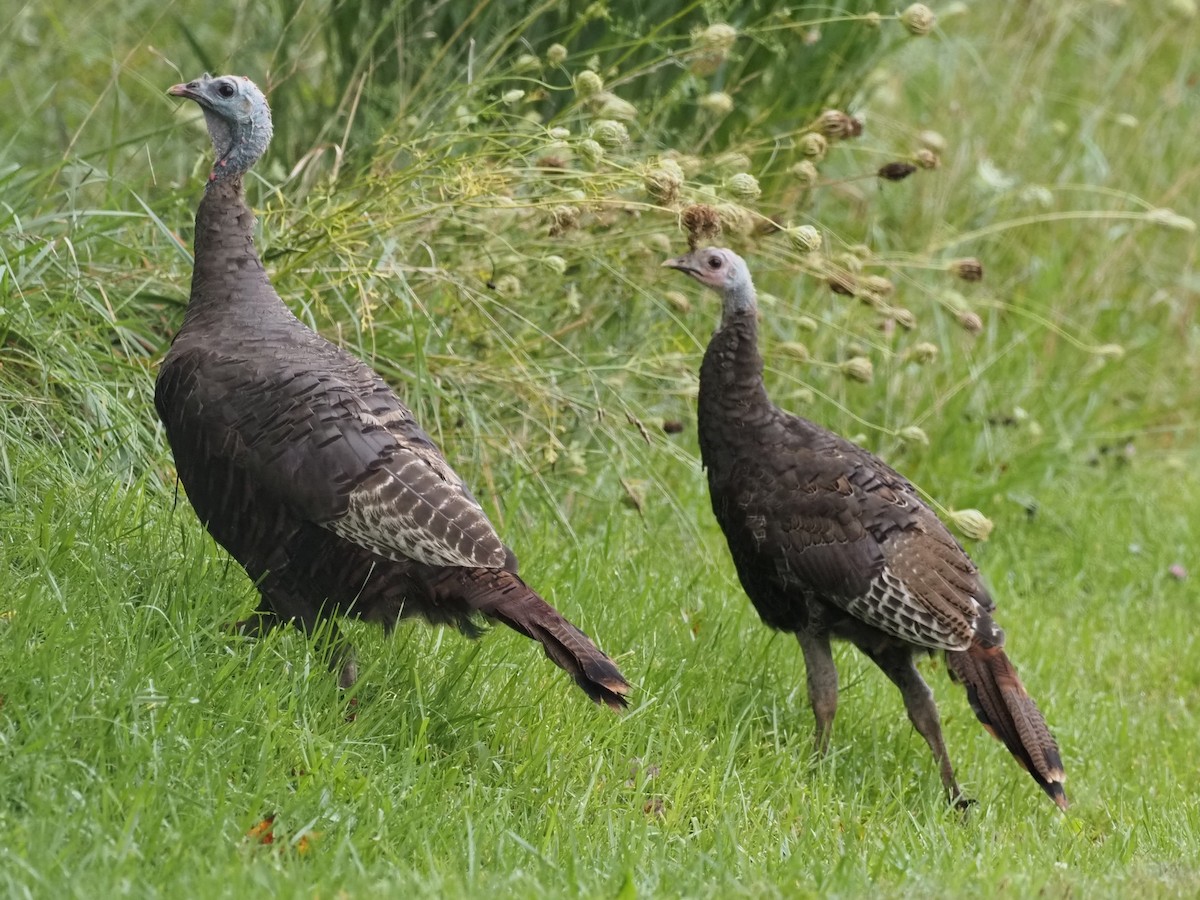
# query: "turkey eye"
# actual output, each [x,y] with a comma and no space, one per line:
[714,262]
[225,89]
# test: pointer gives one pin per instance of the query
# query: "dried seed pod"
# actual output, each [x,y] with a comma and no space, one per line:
[556,54]
[922,353]
[903,317]
[702,224]
[918,19]
[663,180]
[932,140]
[968,268]
[878,285]
[795,349]
[814,145]
[859,368]
[679,300]
[806,173]
[842,282]
[563,219]
[896,171]
[836,125]
[970,321]
[927,159]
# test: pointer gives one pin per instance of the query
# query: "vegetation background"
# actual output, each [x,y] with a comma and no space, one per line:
[451,197]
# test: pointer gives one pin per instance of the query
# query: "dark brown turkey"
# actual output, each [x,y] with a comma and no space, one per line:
[305,465]
[829,542]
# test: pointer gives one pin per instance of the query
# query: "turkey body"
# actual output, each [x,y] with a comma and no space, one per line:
[831,543]
[309,470]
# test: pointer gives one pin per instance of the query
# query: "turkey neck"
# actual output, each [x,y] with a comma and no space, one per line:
[227,274]
[733,403]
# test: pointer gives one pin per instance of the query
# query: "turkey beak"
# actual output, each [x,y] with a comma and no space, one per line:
[182,90]
[683,264]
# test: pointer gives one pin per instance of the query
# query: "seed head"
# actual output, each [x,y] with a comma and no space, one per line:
[718,103]
[1168,218]
[806,173]
[814,146]
[842,282]
[872,19]
[588,84]
[710,48]
[859,368]
[913,434]
[609,105]
[527,62]
[509,286]
[972,523]
[807,323]
[679,300]
[732,161]
[609,132]
[922,353]
[702,224]
[878,285]
[896,171]
[591,150]
[795,349]
[511,97]
[559,133]
[967,268]
[932,140]
[1110,351]
[556,54]
[970,321]
[735,219]
[743,186]
[717,36]
[663,181]
[926,159]
[836,125]
[804,238]
[918,19]
[903,317]
[563,219]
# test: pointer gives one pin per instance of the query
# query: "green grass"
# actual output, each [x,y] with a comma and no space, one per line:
[140,741]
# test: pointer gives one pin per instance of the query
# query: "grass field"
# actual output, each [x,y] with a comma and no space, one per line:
[145,750]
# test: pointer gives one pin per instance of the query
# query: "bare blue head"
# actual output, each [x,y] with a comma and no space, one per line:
[723,271]
[238,119]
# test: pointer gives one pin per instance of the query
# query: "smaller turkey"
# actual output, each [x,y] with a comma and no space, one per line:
[829,542]
[305,466]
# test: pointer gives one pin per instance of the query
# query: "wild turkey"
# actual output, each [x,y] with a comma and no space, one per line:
[305,465]
[829,542]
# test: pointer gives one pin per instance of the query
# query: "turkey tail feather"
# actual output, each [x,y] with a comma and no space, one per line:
[1006,710]
[501,595]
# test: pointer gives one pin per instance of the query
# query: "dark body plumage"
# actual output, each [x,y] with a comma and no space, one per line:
[312,473]
[829,542]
